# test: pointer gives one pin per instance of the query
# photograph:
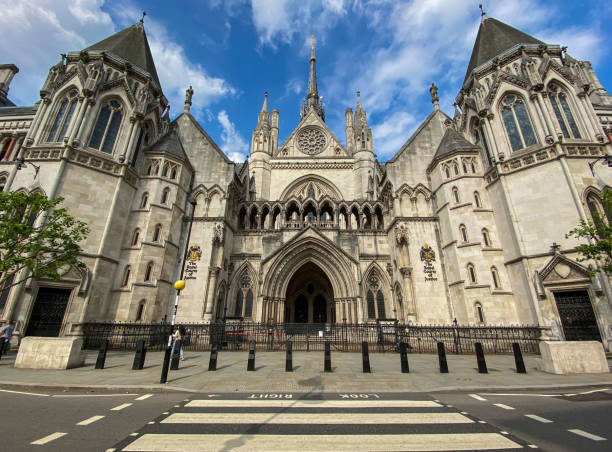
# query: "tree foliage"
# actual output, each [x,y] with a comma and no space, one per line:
[598,233]
[36,235]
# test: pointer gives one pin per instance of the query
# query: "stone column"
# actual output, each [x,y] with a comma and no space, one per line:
[76,123]
[127,154]
[210,299]
[79,135]
[542,118]
[410,309]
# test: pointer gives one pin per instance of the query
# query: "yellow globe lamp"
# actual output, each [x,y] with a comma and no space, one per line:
[179,285]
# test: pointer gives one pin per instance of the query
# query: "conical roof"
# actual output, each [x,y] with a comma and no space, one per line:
[453,141]
[495,37]
[170,143]
[132,45]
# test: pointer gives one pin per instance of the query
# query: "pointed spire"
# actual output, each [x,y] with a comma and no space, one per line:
[494,38]
[313,100]
[263,118]
[132,45]
[359,107]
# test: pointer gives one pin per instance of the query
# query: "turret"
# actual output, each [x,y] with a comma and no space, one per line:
[7,72]
[364,169]
[264,140]
[350,130]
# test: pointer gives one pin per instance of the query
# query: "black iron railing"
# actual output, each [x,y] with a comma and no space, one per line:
[312,337]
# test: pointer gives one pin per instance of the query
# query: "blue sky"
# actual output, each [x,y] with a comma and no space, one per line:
[232,51]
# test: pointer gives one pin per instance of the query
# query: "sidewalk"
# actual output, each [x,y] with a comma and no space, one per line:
[308,375]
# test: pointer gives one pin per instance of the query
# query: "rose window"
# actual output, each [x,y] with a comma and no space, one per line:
[311,141]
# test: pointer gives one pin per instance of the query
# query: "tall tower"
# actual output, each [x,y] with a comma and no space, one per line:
[364,166]
[262,144]
[312,102]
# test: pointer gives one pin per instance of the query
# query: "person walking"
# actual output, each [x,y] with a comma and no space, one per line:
[5,336]
[178,337]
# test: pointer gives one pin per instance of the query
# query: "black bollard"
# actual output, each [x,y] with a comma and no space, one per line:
[139,356]
[102,354]
[480,358]
[327,364]
[164,374]
[289,358]
[365,356]
[2,344]
[518,359]
[251,363]
[442,358]
[212,363]
[174,364]
[404,358]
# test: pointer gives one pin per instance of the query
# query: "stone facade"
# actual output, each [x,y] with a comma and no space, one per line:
[458,225]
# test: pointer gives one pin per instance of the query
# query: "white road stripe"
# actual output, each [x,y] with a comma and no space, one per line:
[586,434]
[330,443]
[505,407]
[26,393]
[120,407]
[477,397]
[539,419]
[91,420]
[143,397]
[48,438]
[313,403]
[93,395]
[316,418]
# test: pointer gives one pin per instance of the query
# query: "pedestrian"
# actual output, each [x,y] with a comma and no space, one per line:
[177,337]
[5,335]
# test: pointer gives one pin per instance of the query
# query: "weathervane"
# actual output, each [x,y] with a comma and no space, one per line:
[144,13]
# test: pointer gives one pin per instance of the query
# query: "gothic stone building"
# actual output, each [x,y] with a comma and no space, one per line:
[467,221]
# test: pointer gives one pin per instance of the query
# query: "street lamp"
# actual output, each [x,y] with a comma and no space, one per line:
[178,285]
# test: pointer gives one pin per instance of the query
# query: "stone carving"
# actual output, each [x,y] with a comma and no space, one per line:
[188,95]
[195,253]
[245,281]
[373,281]
[401,233]
[311,140]
[390,269]
[433,91]
[219,232]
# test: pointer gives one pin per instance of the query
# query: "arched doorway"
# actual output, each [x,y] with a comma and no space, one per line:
[310,296]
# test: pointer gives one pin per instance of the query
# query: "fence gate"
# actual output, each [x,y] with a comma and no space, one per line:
[577,316]
[48,312]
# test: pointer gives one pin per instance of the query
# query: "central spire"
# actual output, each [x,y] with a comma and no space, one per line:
[312,97]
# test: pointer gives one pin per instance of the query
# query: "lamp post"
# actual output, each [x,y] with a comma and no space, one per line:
[178,285]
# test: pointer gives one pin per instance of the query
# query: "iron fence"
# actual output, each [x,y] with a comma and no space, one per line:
[312,337]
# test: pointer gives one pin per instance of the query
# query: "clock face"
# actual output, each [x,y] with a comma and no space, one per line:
[311,141]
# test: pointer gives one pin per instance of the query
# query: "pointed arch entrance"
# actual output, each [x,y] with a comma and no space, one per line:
[333,272]
[310,296]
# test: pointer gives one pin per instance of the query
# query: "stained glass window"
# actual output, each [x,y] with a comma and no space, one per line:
[380,305]
[518,125]
[248,307]
[371,306]
[238,309]
[62,118]
[107,127]
[563,113]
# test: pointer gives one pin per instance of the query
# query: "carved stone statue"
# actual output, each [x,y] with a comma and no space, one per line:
[433,91]
[188,95]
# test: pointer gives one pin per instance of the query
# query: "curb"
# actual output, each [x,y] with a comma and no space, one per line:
[160,388]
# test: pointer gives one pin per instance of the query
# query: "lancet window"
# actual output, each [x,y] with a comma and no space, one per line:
[107,127]
[516,120]
[375,298]
[560,105]
[244,297]
[63,117]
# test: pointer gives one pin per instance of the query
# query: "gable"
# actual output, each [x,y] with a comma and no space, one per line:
[311,139]
[560,269]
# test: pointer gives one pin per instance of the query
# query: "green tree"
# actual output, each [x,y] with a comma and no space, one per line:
[36,235]
[599,237]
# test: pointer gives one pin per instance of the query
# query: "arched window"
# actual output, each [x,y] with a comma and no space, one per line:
[479,313]
[598,214]
[473,166]
[495,277]
[157,233]
[165,193]
[107,127]
[380,305]
[148,271]
[456,169]
[471,274]
[363,140]
[63,117]
[238,308]
[126,277]
[456,195]
[485,238]
[463,233]
[248,306]
[464,165]
[144,200]
[135,237]
[558,99]
[173,173]
[140,311]
[447,172]
[2,183]
[477,199]
[165,170]
[517,122]
[371,305]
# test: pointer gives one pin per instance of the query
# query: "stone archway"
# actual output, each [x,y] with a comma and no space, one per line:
[310,296]
[320,256]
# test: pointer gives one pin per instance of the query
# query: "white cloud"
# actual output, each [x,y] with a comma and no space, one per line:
[391,133]
[232,142]
[88,11]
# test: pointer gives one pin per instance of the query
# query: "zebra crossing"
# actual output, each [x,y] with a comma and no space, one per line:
[323,422]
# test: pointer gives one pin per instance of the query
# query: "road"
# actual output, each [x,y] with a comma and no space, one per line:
[553,421]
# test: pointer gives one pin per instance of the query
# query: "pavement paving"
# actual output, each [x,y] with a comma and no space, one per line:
[308,375]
